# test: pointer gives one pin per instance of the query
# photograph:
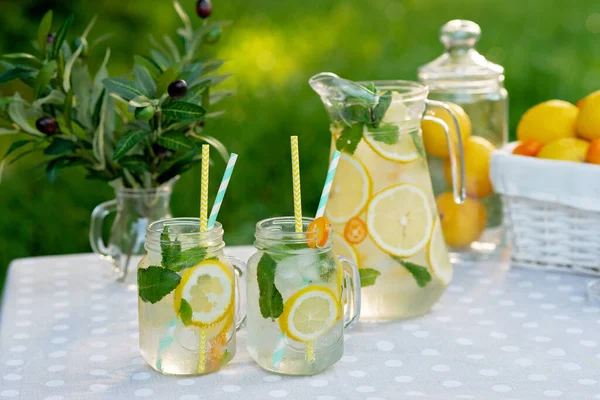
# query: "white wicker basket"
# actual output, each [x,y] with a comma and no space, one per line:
[551,211]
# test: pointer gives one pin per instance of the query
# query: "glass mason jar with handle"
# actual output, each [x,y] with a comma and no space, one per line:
[381,204]
[474,88]
[135,208]
[191,298]
[300,300]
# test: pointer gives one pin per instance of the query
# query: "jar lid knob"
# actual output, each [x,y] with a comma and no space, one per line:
[460,34]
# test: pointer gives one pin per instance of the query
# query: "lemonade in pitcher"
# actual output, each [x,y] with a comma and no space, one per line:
[381,205]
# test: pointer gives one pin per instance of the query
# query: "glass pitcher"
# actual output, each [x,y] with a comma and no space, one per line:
[381,204]
[135,209]
[474,88]
[191,298]
[300,300]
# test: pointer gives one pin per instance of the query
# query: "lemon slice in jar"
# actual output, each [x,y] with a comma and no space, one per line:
[309,313]
[208,289]
[392,144]
[437,255]
[350,191]
[399,220]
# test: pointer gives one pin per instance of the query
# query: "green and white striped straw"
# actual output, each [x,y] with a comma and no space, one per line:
[328,182]
[222,189]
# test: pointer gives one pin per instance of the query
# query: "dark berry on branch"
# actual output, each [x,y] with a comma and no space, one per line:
[177,89]
[203,8]
[50,38]
[144,113]
[46,125]
[160,151]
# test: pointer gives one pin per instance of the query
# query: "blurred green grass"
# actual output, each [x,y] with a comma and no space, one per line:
[549,50]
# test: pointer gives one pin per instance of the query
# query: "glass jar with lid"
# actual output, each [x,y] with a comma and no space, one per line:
[474,89]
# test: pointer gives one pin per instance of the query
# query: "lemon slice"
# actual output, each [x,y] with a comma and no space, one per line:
[350,191]
[399,220]
[437,255]
[208,289]
[309,313]
[341,247]
[403,151]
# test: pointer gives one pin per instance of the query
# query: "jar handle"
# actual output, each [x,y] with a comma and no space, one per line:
[457,155]
[98,215]
[239,268]
[351,292]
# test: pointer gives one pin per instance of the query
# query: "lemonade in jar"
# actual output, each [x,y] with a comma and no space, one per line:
[381,205]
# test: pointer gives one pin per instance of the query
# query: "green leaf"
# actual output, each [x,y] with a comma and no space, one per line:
[226,357]
[188,258]
[24,56]
[165,80]
[185,19]
[387,133]
[183,111]
[172,48]
[15,146]
[170,249]
[385,99]
[43,78]
[55,97]
[160,59]
[16,73]
[144,81]
[44,31]
[56,164]
[185,312]
[88,29]
[219,95]
[418,142]
[368,276]
[69,68]
[134,163]
[356,113]
[175,141]
[68,110]
[101,75]
[350,138]
[153,68]
[81,81]
[60,146]
[16,111]
[270,301]
[98,139]
[420,273]
[154,283]
[194,94]
[127,142]
[61,35]
[122,87]
[211,65]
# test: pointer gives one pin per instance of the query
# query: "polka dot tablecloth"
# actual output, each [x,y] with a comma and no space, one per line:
[68,332]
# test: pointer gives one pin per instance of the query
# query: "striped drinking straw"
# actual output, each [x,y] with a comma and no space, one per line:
[335,159]
[222,189]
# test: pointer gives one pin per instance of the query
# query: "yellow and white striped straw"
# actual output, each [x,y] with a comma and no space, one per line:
[296,183]
[204,188]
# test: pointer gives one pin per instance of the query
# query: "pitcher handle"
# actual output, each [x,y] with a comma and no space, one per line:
[352,292]
[98,215]
[239,268]
[457,158]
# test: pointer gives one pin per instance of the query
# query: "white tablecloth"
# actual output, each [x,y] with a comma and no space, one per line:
[68,332]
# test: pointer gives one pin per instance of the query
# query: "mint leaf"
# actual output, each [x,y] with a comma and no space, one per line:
[154,283]
[185,312]
[188,258]
[387,133]
[350,138]
[357,113]
[418,141]
[368,276]
[170,250]
[226,357]
[269,299]
[385,99]
[420,273]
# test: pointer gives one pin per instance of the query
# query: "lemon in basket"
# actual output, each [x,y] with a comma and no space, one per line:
[567,149]
[548,121]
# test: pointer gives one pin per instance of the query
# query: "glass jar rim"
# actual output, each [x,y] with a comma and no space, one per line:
[211,238]
[281,230]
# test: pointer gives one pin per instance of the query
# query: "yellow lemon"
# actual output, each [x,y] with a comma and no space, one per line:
[567,149]
[309,313]
[548,121]
[462,224]
[399,220]
[434,137]
[588,121]
[478,153]
[208,290]
[350,191]
[391,144]
[437,255]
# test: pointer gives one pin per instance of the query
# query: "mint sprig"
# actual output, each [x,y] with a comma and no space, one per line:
[420,273]
[155,282]
[269,299]
[368,276]
[185,312]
